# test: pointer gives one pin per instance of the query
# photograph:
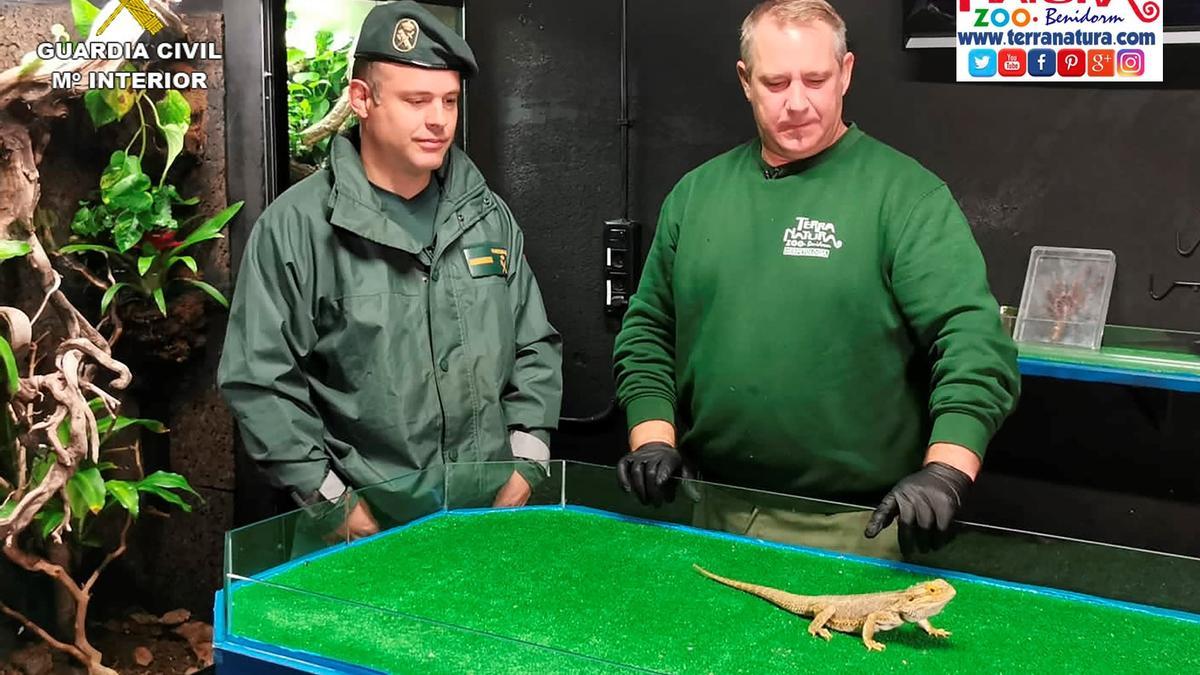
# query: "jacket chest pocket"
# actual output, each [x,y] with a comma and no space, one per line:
[363,338]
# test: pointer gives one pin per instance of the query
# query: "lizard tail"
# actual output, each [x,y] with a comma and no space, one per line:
[793,603]
[710,575]
[734,583]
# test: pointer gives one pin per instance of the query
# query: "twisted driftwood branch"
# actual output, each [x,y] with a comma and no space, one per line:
[44,401]
[333,122]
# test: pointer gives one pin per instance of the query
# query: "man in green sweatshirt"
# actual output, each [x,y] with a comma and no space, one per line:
[814,316]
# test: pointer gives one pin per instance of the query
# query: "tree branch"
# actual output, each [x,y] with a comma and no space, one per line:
[118,326]
[28,103]
[331,123]
[54,289]
[83,650]
[33,563]
[20,618]
[112,555]
[83,271]
[101,356]
[32,502]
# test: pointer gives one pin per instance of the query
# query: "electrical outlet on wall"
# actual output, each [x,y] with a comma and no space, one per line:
[622,264]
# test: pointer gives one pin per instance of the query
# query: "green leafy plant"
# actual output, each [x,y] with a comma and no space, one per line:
[315,84]
[89,493]
[13,249]
[148,271]
[10,373]
[84,13]
[10,382]
[133,221]
[130,208]
[56,486]
[59,425]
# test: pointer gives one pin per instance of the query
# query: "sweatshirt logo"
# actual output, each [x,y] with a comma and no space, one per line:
[810,239]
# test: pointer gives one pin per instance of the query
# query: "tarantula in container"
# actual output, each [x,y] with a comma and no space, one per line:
[1066,297]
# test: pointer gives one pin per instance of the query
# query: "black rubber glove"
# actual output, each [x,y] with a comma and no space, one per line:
[926,502]
[648,472]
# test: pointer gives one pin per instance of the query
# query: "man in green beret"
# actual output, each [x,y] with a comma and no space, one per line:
[385,319]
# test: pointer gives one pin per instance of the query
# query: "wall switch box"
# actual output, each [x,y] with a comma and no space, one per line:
[622,264]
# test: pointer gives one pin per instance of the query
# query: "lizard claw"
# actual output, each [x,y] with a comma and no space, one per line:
[821,633]
[874,646]
[939,633]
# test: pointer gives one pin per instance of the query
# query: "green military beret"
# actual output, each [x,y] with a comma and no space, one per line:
[405,32]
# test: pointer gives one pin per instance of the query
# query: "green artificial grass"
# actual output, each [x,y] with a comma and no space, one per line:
[625,593]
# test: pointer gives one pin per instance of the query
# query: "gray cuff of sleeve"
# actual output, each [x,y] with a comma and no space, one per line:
[527,446]
[333,487]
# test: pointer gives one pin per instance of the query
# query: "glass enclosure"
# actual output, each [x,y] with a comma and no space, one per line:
[296,572]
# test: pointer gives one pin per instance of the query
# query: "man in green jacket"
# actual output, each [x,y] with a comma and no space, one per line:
[385,319]
[814,315]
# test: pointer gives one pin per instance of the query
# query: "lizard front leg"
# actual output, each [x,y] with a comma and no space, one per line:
[885,620]
[935,632]
[817,627]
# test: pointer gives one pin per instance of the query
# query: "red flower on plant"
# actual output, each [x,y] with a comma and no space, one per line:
[162,239]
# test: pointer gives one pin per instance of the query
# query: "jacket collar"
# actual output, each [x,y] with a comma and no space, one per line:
[356,208]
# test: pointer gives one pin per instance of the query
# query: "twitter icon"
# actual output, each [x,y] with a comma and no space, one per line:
[981,62]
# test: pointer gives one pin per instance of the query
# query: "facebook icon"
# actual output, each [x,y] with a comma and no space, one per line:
[1041,62]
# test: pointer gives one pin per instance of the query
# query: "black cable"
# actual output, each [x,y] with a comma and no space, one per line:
[624,121]
[567,423]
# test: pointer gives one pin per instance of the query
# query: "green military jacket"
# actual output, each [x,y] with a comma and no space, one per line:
[354,354]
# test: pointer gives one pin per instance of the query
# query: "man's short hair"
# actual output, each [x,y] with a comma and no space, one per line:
[363,70]
[786,12]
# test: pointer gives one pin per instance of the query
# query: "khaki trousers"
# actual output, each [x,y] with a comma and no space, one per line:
[793,521]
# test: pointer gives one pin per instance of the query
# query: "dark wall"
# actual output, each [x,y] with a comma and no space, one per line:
[1113,167]
[1098,167]
[543,127]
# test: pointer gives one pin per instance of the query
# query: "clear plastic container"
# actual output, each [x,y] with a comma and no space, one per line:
[1066,295]
[441,590]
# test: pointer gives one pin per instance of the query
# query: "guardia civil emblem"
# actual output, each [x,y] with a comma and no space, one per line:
[404,38]
[502,255]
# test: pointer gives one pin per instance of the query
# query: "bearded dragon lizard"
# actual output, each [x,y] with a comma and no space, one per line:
[867,612]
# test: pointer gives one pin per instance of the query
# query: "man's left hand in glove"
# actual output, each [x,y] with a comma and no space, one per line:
[926,502]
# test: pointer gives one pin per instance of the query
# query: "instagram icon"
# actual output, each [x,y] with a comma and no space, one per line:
[1131,62]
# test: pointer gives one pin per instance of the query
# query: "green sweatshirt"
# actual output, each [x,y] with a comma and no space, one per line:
[812,329]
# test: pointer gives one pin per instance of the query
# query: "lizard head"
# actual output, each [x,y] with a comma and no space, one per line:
[926,599]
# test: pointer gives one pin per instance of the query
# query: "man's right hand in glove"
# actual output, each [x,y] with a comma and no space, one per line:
[648,472]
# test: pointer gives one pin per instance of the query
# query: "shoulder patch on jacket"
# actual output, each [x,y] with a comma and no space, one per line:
[487,259]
